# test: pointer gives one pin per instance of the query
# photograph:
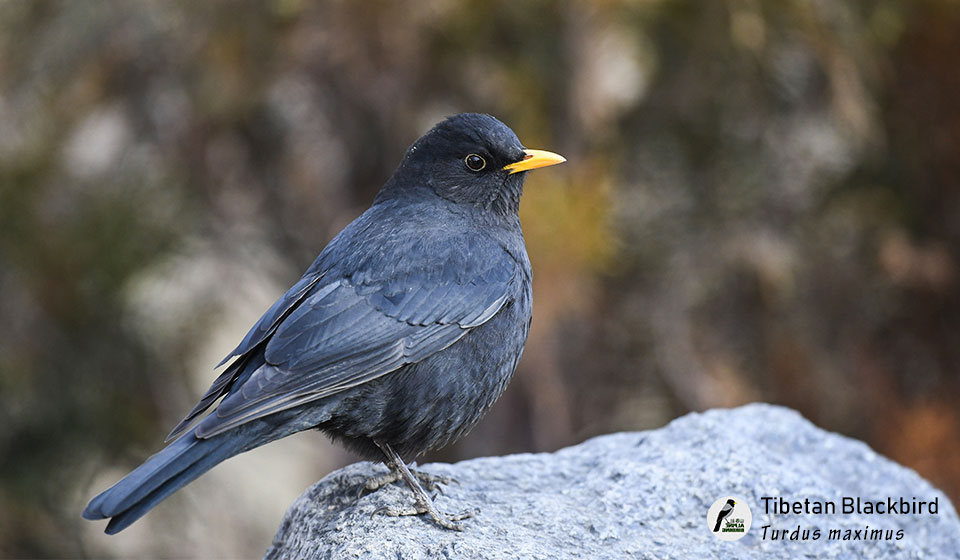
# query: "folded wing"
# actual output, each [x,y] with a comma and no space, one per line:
[344,330]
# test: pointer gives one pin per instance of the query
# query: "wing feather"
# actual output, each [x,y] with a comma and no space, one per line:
[271,319]
[341,337]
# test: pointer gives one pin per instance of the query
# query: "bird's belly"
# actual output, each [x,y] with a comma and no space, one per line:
[434,402]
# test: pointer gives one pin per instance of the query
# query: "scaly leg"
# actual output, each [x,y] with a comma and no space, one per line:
[423,504]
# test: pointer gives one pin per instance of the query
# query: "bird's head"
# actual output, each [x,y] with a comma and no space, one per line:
[471,158]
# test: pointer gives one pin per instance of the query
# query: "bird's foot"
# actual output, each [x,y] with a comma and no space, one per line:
[423,504]
[446,521]
[430,482]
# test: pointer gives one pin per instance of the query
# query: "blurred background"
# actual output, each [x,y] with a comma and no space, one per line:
[761,204]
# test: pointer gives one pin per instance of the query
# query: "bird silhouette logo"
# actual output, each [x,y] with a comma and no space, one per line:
[726,510]
[729,518]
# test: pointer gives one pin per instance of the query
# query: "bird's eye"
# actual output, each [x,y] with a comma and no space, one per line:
[475,162]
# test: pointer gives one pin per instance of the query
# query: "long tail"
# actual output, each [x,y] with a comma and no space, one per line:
[174,467]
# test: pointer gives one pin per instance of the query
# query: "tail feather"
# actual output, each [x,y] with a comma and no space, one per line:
[142,506]
[187,458]
[163,474]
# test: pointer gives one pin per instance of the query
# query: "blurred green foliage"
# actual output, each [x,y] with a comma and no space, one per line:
[760,203]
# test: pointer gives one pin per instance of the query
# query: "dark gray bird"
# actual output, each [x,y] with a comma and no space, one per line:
[396,340]
[725,512]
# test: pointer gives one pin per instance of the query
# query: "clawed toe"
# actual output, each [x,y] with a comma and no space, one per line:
[434,482]
[444,520]
[378,482]
[431,482]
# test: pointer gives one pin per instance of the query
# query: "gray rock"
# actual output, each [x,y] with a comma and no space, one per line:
[634,495]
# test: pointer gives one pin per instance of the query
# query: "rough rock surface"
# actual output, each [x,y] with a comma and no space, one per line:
[633,495]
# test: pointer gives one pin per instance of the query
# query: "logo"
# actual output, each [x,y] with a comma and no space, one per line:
[729,518]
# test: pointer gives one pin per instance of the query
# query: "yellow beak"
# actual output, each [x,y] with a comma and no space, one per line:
[533,160]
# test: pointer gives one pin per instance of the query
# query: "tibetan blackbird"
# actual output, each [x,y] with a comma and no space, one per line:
[396,340]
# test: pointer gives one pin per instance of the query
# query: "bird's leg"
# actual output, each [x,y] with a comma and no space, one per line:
[423,504]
